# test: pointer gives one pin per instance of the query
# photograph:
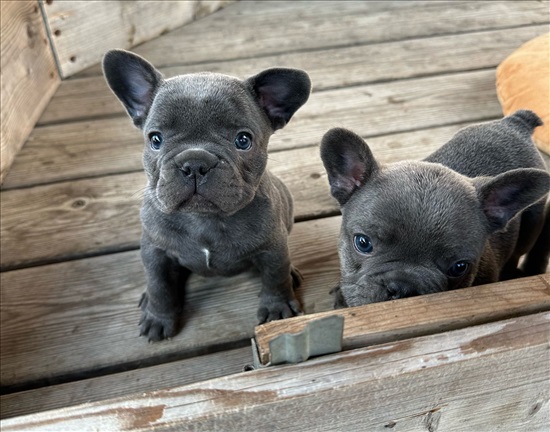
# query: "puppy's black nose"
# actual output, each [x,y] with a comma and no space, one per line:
[196,167]
[196,163]
[400,289]
[394,290]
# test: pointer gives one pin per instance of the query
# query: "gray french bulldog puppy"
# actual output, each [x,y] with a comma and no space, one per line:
[464,216]
[210,206]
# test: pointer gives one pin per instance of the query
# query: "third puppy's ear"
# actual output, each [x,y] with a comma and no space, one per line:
[348,161]
[133,80]
[280,93]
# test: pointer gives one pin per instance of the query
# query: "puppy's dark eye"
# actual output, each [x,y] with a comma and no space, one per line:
[155,140]
[243,141]
[458,269]
[362,243]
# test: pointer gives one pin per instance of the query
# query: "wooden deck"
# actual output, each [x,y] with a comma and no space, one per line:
[405,75]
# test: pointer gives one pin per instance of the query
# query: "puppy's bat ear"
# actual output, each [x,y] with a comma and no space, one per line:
[280,92]
[503,196]
[348,161]
[133,80]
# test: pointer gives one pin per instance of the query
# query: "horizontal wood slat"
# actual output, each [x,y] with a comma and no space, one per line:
[369,110]
[417,316]
[245,30]
[489,377]
[80,99]
[171,374]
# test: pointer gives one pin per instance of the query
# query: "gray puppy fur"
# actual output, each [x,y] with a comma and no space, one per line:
[464,216]
[210,206]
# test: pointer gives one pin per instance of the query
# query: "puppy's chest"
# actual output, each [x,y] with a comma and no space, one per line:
[209,250]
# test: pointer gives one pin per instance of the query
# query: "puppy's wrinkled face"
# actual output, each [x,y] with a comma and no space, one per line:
[414,228]
[205,144]
[206,134]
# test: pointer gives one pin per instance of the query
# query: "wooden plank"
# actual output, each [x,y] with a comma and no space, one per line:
[99,215]
[68,319]
[418,316]
[369,110]
[75,26]
[80,150]
[172,374]
[254,29]
[80,99]
[28,75]
[450,381]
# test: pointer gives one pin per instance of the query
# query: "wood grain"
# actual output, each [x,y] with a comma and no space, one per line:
[247,29]
[369,110]
[74,317]
[79,99]
[451,381]
[417,316]
[145,379]
[82,31]
[28,75]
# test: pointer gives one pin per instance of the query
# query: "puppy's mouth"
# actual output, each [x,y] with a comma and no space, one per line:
[196,203]
[220,192]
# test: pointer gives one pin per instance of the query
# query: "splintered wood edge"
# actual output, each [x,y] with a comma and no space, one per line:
[417,316]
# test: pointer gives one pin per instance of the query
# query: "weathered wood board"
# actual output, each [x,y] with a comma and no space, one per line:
[28,74]
[247,30]
[82,31]
[146,379]
[450,381]
[418,316]
[349,66]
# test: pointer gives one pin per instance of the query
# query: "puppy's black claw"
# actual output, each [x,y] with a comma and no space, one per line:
[297,278]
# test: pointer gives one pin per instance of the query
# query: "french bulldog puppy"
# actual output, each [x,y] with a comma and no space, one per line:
[210,206]
[464,216]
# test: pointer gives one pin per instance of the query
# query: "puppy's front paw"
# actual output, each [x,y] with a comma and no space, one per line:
[153,327]
[274,308]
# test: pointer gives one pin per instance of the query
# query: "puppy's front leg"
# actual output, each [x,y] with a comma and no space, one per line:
[279,280]
[162,303]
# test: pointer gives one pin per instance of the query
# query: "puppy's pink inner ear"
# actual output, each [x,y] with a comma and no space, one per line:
[269,102]
[354,169]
